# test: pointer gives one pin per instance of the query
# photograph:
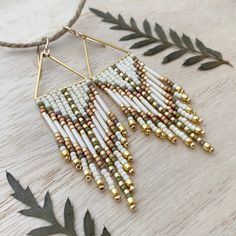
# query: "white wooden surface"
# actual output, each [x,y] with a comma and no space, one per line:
[179,191]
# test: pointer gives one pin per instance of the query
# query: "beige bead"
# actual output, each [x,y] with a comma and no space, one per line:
[196,119]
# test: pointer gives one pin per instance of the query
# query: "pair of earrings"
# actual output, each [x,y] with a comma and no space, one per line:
[90,136]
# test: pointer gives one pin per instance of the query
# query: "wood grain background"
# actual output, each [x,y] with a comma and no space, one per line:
[179,191]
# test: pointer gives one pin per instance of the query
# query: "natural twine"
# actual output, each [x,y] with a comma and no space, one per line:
[52,38]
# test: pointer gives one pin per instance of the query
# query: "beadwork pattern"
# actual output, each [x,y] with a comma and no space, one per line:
[153,101]
[90,136]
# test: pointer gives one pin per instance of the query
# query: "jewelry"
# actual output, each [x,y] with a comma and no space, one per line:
[88,134]
[153,101]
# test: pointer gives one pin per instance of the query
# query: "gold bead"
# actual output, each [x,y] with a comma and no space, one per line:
[88,175]
[179,89]
[158,132]
[190,110]
[122,129]
[196,119]
[66,155]
[132,124]
[130,159]
[131,203]
[146,129]
[123,141]
[199,131]
[207,147]
[126,154]
[116,194]
[189,142]
[171,138]
[128,168]
[185,98]
[77,164]
[129,183]
[100,184]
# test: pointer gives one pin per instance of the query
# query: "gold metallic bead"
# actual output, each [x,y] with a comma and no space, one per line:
[190,110]
[129,183]
[199,131]
[146,129]
[77,164]
[88,175]
[128,168]
[126,154]
[132,124]
[189,142]
[131,203]
[185,98]
[116,194]
[158,132]
[122,129]
[163,135]
[207,147]
[179,89]
[171,138]
[66,155]
[196,119]
[123,140]
[130,159]
[100,184]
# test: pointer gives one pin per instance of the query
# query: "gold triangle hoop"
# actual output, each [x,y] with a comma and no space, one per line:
[103,43]
[46,53]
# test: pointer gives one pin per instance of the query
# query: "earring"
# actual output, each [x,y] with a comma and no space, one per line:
[156,103]
[88,134]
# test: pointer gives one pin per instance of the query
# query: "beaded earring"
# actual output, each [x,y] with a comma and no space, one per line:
[88,134]
[156,103]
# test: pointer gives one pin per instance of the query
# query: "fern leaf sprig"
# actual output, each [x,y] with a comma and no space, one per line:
[46,213]
[183,43]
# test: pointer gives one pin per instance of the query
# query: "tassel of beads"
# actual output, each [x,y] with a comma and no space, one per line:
[153,101]
[91,137]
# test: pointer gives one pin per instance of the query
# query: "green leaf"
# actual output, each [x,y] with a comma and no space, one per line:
[188,42]
[200,45]
[147,28]
[131,36]
[214,53]
[22,195]
[210,65]
[156,49]
[175,38]
[143,43]
[105,232]
[173,56]
[47,230]
[69,218]
[98,12]
[160,33]
[133,23]
[89,227]
[193,60]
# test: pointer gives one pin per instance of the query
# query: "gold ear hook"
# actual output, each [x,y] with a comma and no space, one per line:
[46,53]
